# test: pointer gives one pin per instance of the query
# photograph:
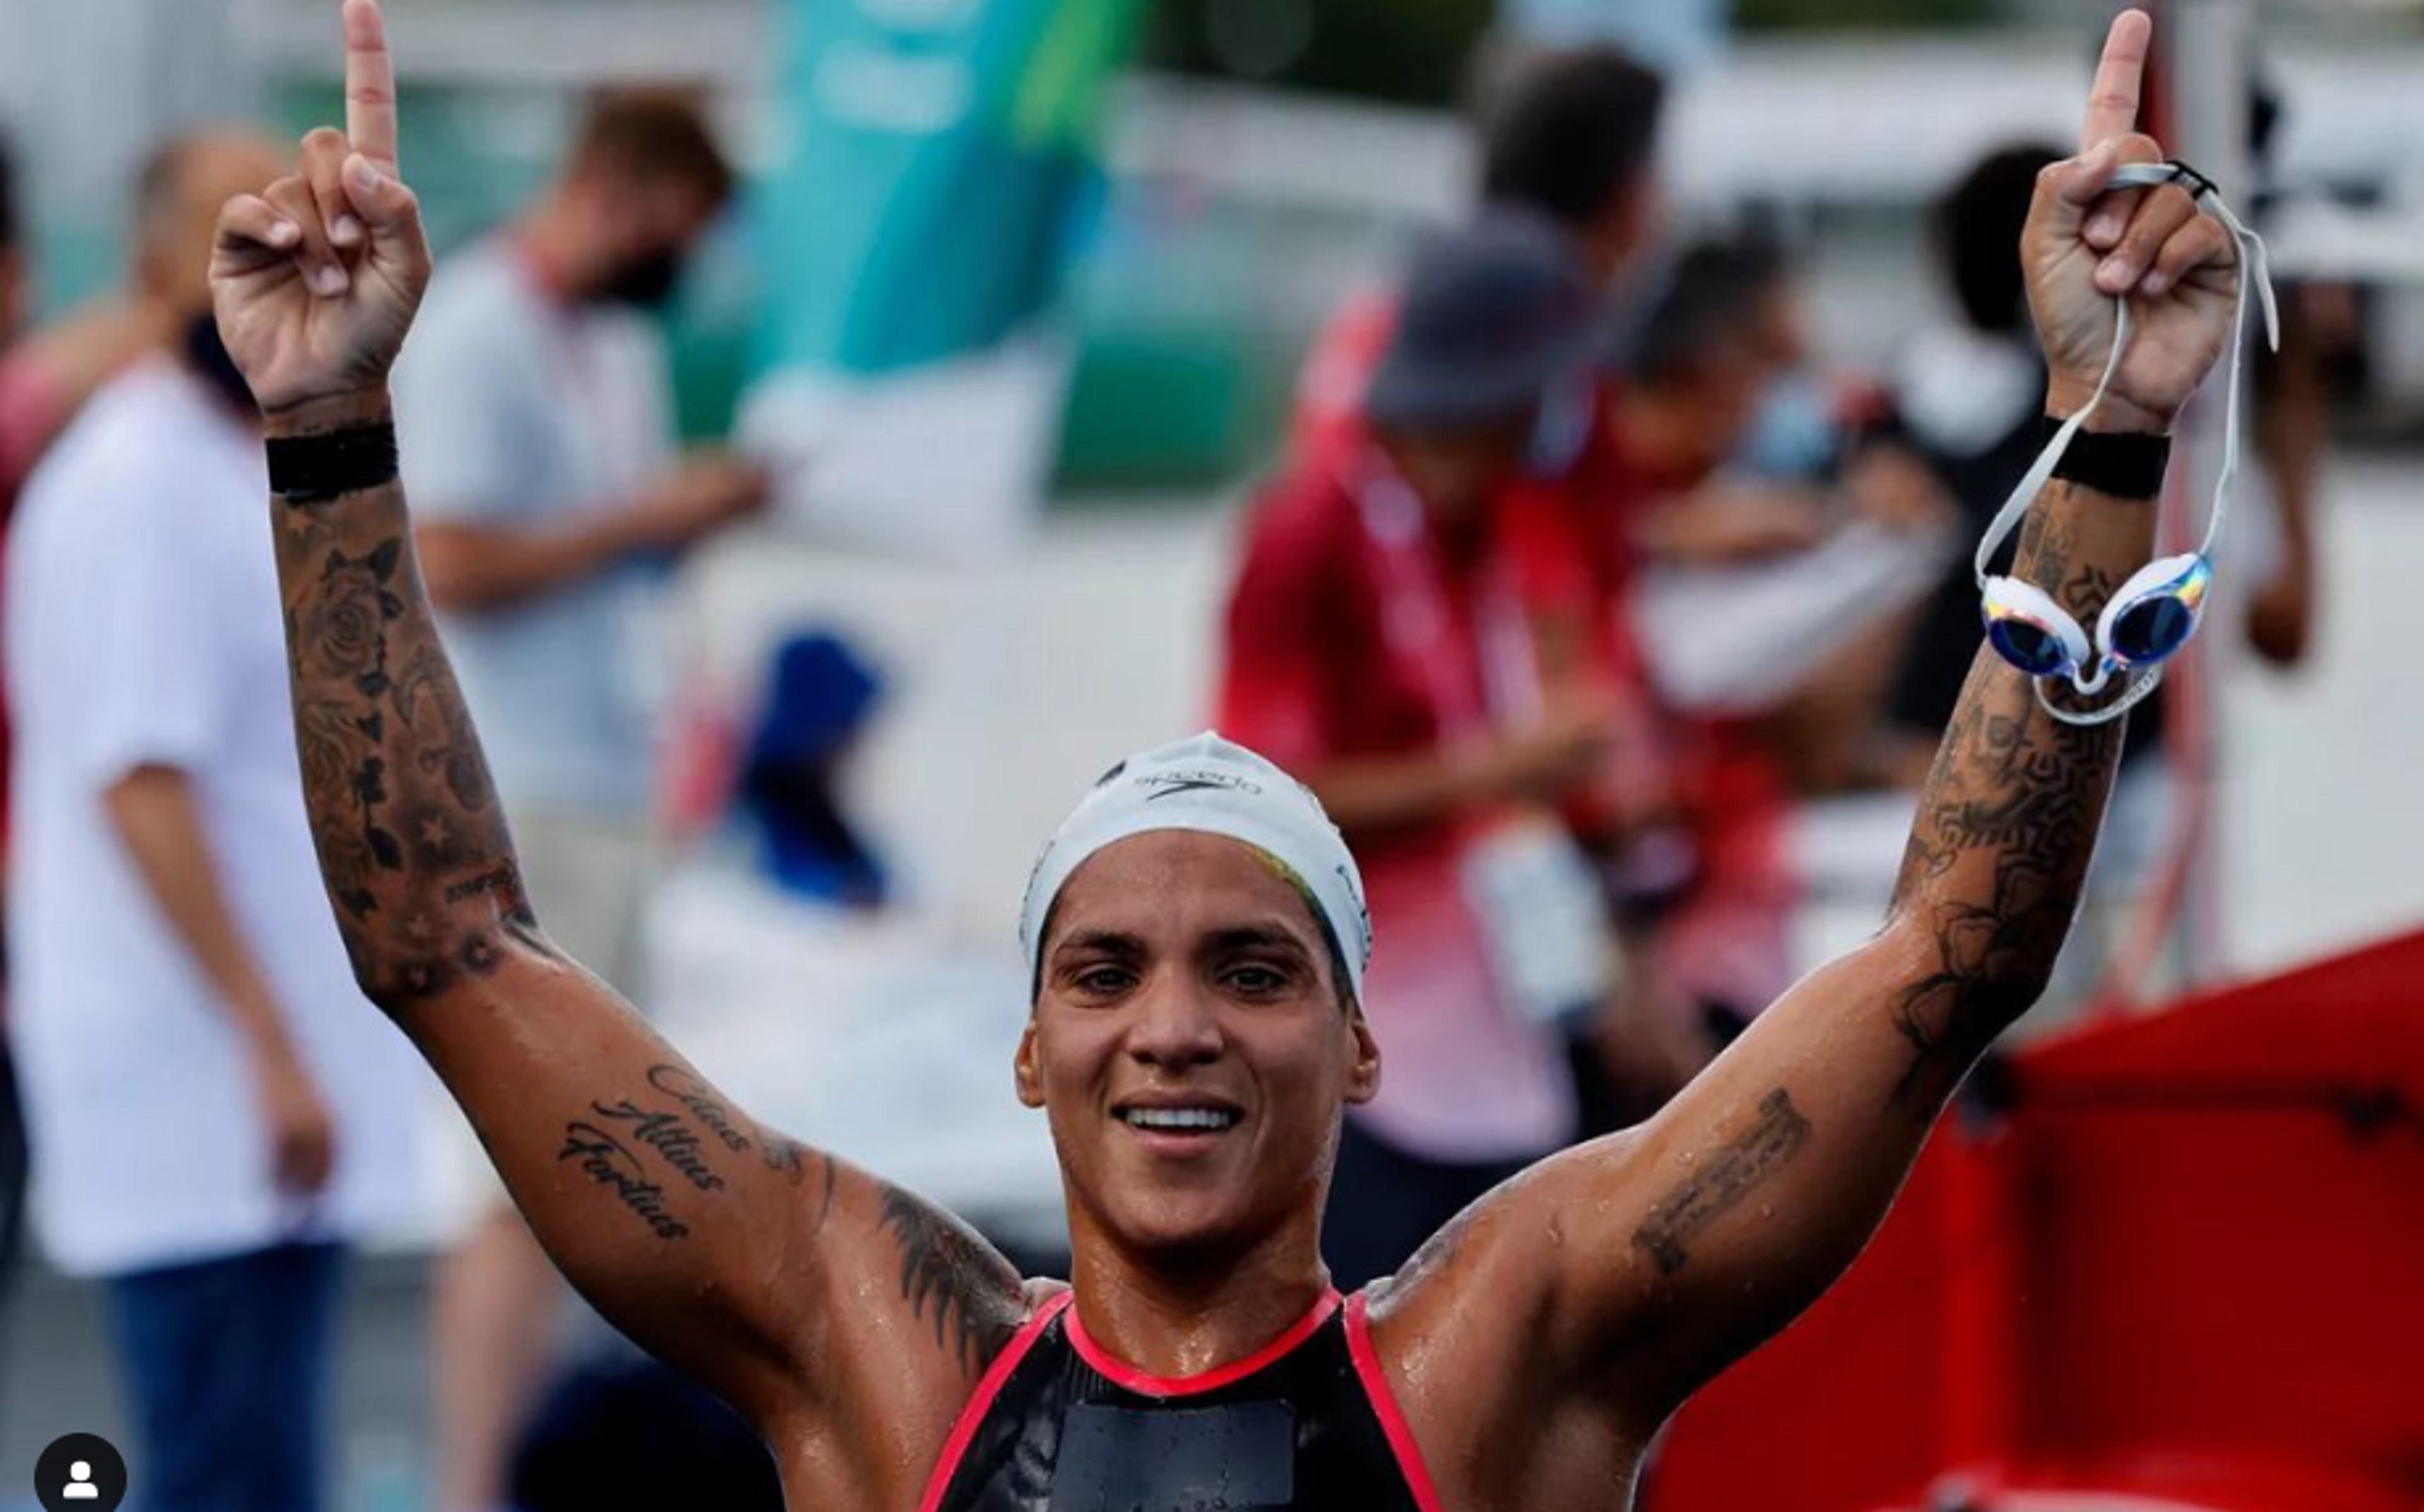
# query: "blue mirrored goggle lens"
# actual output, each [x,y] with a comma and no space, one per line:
[2152,628]
[2028,646]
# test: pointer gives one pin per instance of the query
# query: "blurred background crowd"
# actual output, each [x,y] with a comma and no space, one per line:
[1554,429]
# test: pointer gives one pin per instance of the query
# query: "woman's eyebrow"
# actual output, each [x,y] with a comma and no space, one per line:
[1116,942]
[1272,937]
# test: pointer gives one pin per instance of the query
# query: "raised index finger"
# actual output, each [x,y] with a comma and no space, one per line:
[2112,105]
[370,85]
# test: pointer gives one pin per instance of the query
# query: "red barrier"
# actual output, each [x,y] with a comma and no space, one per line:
[2185,1269]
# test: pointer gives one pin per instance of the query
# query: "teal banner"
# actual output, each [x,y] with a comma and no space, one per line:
[936,151]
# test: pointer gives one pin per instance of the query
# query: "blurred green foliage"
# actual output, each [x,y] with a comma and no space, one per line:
[1409,51]
[1419,51]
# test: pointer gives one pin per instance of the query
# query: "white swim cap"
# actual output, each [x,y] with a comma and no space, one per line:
[1212,787]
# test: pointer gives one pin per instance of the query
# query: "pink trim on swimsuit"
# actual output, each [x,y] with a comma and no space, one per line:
[972,1416]
[1128,1377]
[1384,1406]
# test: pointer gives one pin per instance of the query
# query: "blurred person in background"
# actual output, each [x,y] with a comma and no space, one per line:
[1568,137]
[45,378]
[1376,646]
[211,1125]
[1722,450]
[1716,444]
[46,374]
[1572,138]
[1626,484]
[1658,505]
[2319,325]
[1722,329]
[1962,394]
[548,495]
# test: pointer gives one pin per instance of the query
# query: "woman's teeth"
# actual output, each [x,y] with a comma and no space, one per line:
[1178,1118]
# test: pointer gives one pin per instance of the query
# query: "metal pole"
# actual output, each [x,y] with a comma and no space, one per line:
[2212,59]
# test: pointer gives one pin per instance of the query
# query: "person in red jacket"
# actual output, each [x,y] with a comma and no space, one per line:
[1379,645]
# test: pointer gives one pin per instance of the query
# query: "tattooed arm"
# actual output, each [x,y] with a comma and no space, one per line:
[1714,1225]
[1649,1260]
[783,1278]
[1664,1254]
[714,1241]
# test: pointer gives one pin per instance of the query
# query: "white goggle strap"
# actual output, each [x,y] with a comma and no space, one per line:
[2040,472]
[2140,685]
[2256,269]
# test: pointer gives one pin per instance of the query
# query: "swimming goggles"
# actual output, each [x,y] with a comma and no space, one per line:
[2155,612]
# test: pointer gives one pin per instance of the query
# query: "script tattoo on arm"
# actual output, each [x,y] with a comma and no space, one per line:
[2005,827]
[786,1157]
[946,1267]
[612,1163]
[610,1136]
[413,845]
[1738,1169]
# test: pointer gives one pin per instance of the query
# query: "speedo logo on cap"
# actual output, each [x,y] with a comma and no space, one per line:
[1171,783]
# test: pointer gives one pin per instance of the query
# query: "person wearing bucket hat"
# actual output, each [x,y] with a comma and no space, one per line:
[1196,1029]
[1568,137]
[1493,314]
[1376,643]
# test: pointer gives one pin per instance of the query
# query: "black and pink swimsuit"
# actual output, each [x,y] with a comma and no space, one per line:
[1307,1423]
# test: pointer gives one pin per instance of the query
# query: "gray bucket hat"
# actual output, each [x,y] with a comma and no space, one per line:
[1493,314]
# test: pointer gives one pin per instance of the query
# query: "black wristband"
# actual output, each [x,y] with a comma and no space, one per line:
[312,469]
[2125,467]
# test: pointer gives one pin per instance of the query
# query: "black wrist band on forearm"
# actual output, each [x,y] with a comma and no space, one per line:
[312,469]
[2125,467]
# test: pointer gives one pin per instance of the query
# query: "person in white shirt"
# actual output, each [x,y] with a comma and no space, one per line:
[212,1121]
[552,501]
